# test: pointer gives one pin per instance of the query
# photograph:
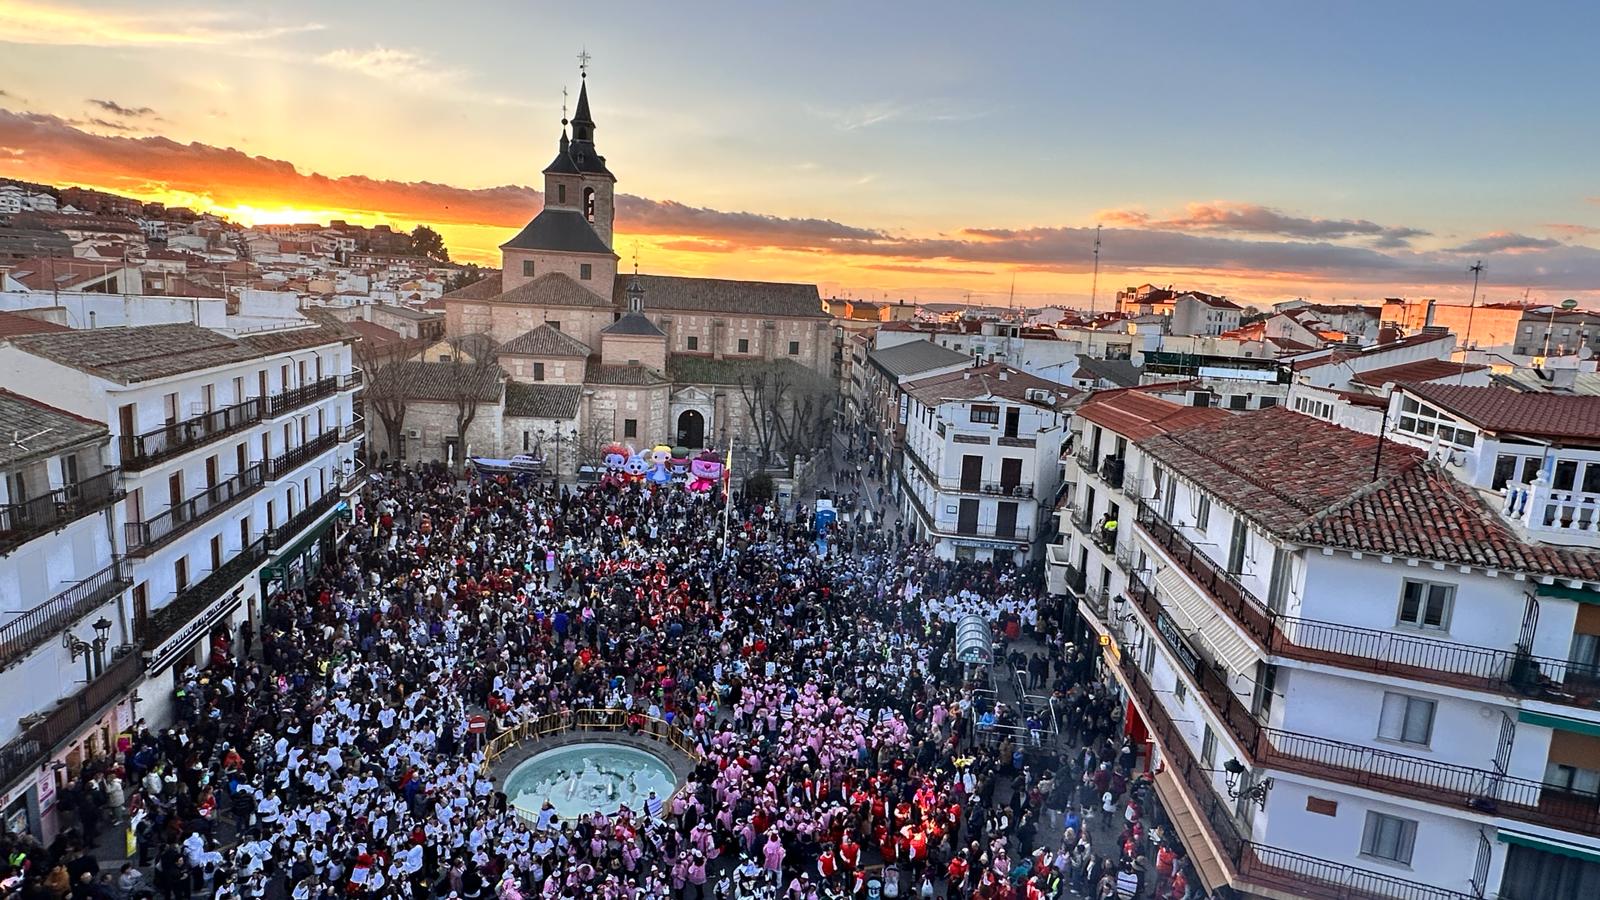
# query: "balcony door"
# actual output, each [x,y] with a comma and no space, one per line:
[1010,473]
[1013,417]
[967,518]
[1005,520]
[971,472]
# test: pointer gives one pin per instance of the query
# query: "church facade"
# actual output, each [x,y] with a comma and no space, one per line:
[588,355]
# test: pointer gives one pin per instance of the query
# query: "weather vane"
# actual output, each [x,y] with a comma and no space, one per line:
[635,257]
[563,104]
[583,62]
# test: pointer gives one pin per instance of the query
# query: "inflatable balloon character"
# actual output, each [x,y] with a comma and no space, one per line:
[614,457]
[659,456]
[636,466]
[705,473]
[679,464]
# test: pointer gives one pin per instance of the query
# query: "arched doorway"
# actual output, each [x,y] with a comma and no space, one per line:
[691,429]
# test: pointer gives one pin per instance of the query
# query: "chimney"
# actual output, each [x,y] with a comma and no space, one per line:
[1002,374]
[1428,319]
[966,374]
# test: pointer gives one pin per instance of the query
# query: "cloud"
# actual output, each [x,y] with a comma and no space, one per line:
[1572,231]
[867,115]
[1500,241]
[1253,218]
[24,22]
[50,149]
[385,63]
[127,112]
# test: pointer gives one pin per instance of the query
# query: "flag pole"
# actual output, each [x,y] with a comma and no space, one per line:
[727,499]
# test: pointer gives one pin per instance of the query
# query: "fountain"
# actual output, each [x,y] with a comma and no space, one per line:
[588,777]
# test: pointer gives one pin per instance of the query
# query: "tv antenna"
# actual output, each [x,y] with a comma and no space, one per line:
[1477,271]
[20,442]
[1094,286]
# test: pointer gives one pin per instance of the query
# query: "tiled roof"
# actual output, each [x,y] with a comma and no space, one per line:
[34,430]
[622,375]
[1309,482]
[1419,371]
[438,381]
[685,369]
[717,295]
[1120,372]
[563,230]
[482,289]
[916,357]
[14,324]
[545,341]
[1137,415]
[542,401]
[552,289]
[1338,356]
[372,332]
[1504,410]
[130,354]
[634,325]
[994,380]
[47,273]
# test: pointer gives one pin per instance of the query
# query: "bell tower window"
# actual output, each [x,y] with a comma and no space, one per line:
[588,203]
[561,193]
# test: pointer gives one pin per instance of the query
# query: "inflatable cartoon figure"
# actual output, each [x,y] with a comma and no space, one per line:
[679,464]
[705,473]
[659,455]
[614,457]
[636,467]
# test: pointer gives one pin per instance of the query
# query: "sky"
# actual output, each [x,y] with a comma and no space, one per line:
[927,150]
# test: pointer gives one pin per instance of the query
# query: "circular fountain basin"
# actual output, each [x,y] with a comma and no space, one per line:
[588,777]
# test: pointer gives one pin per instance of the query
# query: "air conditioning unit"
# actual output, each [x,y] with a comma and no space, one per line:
[414,434]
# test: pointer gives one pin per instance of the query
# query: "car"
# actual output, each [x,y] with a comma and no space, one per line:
[590,474]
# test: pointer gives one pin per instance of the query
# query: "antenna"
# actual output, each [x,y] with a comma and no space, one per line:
[1011,298]
[1477,270]
[1094,286]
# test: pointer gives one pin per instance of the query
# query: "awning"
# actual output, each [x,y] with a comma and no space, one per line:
[1561,723]
[1548,846]
[1202,854]
[974,643]
[1198,616]
[1561,591]
[274,569]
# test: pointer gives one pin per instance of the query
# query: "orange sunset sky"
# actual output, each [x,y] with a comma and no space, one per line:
[867,150]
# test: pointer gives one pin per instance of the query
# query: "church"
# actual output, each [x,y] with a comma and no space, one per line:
[587,354]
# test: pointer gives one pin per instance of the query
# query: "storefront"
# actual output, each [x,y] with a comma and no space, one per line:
[295,565]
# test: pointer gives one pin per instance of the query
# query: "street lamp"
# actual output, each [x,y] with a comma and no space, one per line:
[92,651]
[1257,793]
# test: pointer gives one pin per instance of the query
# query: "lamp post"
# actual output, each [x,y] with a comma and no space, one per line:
[93,651]
[1257,793]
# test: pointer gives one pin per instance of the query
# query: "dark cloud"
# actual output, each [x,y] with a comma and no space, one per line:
[923,270]
[127,112]
[1253,218]
[1499,241]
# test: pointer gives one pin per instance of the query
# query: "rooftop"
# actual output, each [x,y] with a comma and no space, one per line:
[14,324]
[636,376]
[1120,372]
[916,357]
[438,381]
[683,368]
[1309,482]
[634,325]
[542,401]
[563,230]
[996,380]
[545,341]
[552,289]
[1501,409]
[482,289]
[718,295]
[34,430]
[1136,415]
[1415,372]
[142,353]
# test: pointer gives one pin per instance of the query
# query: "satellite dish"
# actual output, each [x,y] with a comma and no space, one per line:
[1569,303]
[1585,352]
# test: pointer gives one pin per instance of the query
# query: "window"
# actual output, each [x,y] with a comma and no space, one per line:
[1424,604]
[1202,513]
[561,193]
[1388,837]
[553,323]
[538,371]
[794,348]
[984,415]
[630,427]
[588,204]
[527,268]
[1572,780]
[1238,401]
[1406,719]
[693,343]
[525,441]
[585,271]
[1208,748]
[1268,402]
[1180,691]
[744,345]
[1236,547]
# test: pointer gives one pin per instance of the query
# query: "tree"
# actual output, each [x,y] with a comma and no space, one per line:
[473,367]
[391,377]
[759,487]
[427,242]
[791,409]
[467,274]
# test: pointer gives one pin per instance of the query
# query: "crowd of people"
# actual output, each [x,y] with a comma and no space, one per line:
[839,748]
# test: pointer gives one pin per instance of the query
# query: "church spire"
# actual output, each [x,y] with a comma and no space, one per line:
[582,122]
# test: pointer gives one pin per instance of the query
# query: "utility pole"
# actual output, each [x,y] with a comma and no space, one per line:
[1477,270]
[1094,286]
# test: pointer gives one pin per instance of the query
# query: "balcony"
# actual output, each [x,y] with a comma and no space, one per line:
[1254,865]
[1085,458]
[294,398]
[295,457]
[1549,514]
[284,534]
[1060,575]
[1111,469]
[142,451]
[144,538]
[351,432]
[22,522]
[1226,590]
[189,602]
[32,748]
[1000,532]
[352,380]
[353,481]
[37,625]
[1019,490]
[1080,520]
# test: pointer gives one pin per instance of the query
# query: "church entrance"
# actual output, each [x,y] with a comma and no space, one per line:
[691,429]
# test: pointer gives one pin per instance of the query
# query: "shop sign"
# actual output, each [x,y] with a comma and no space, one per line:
[1180,645]
[171,647]
[47,789]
